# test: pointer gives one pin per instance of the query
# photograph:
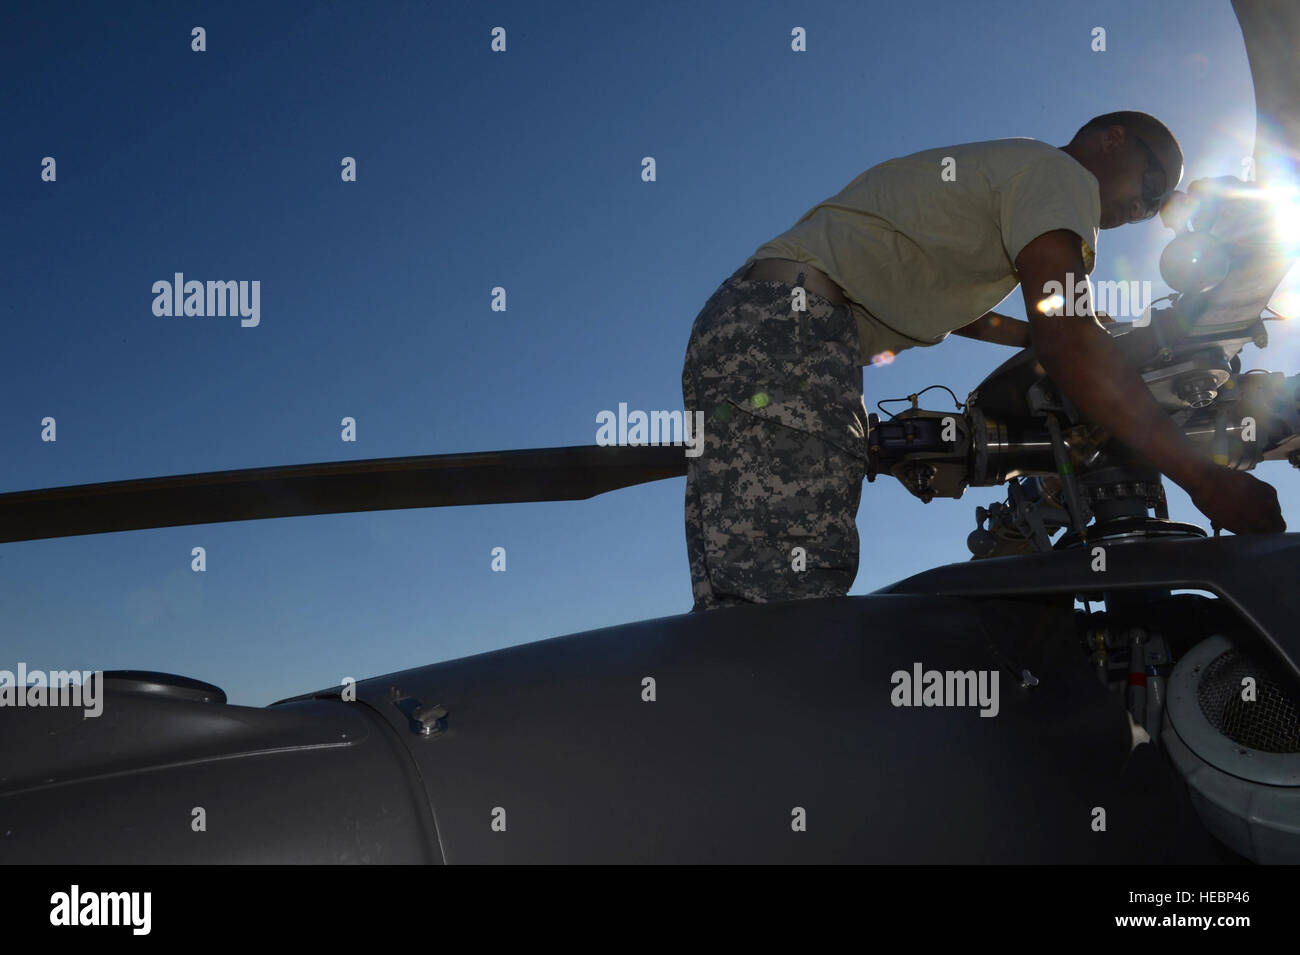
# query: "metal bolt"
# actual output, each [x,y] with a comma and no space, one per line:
[431,719]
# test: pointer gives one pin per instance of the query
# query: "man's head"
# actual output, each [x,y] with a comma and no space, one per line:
[1136,159]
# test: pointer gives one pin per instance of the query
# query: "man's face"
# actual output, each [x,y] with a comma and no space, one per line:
[1130,179]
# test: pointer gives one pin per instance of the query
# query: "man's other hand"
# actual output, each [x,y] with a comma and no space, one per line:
[1238,502]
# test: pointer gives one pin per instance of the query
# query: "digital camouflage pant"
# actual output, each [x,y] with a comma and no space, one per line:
[772,501]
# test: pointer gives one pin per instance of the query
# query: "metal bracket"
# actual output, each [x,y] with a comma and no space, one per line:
[427,719]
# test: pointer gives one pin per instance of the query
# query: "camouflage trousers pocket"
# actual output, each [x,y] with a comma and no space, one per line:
[818,393]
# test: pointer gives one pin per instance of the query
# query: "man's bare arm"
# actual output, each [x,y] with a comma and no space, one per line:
[1004,330]
[1082,359]
[998,329]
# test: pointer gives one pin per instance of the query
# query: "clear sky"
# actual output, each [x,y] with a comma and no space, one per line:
[475,169]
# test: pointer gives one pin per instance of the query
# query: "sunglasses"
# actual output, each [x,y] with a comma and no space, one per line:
[1154,182]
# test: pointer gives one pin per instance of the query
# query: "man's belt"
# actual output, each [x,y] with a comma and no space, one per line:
[787,270]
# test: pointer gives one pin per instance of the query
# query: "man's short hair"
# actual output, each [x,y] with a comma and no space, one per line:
[1151,131]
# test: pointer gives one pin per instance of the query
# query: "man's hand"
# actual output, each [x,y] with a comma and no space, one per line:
[1238,502]
[1080,356]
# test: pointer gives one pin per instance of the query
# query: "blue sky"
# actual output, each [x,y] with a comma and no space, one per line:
[475,169]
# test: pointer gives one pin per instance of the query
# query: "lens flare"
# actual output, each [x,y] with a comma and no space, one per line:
[1286,304]
[1286,218]
[1278,203]
[1051,305]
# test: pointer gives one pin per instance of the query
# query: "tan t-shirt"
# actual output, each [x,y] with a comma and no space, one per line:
[919,256]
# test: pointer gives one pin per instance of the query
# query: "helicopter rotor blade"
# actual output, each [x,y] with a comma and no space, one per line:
[377,484]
